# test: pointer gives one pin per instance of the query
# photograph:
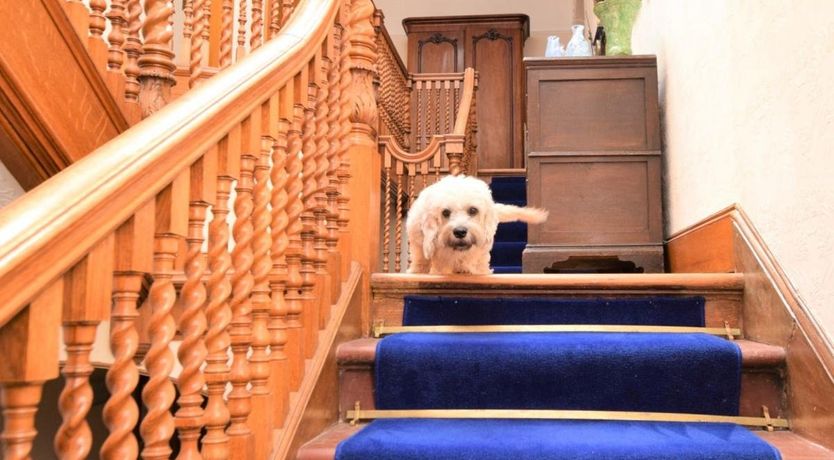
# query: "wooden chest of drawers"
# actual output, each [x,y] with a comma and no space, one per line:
[594,160]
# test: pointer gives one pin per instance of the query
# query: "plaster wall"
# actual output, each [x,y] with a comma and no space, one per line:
[546,17]
[748,117]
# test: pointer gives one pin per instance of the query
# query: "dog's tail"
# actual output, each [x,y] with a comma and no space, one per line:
[510,213]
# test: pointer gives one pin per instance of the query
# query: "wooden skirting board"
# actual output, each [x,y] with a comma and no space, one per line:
[772,312]
[315,406]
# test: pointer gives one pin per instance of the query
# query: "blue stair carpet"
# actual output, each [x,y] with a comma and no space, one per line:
[690,373]
[652,311]
[423,439]
[511,237]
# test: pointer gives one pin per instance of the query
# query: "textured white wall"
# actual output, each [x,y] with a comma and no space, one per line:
[552,17]
[9,187]
[748,115]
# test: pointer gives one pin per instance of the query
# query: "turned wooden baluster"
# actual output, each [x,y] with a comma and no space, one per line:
[286,11]
[157,61]
[241,442]
[257,25]
[226,32]
[198,28]
[117,15]
[133,260]
[274,17]
[398,217]
[133,49]
[278,276]
[386,213]
[87,291]
[334,103]
[323,279]
[207,19]
[345,128]
[192,321]
[218,313]
[171,224]
[241,31]
[309,287]
[30,358]
[295,327]
[260,361]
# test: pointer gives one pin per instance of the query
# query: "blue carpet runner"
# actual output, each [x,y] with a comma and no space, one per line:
[511,237]
[650,311]
[423,439]
[686,373]
[689,373]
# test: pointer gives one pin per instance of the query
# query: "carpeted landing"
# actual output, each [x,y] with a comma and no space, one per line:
[511,237]
[612,371]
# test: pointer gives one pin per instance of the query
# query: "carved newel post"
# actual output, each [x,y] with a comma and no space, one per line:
[363,152]
[156,74]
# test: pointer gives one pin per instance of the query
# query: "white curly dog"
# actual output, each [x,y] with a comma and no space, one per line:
[451,226]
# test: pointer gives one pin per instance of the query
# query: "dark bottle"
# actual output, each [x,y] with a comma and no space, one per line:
[599,41]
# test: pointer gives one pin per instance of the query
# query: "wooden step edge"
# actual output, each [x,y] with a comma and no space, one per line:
[791,445]
[754,355]
[662,282]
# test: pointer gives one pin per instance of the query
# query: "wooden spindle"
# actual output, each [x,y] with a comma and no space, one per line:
[241,31]
[241,442]
[274,18]
[332,189]
[156,64]
[133,49]
[261,417]
[226,33]
[309,286]
[449,110]
[323,279]
[133,261]
[196,55]
[192,321]
[295,342]
[386,210]
[117,15]
[345,129]
[30,357]
[286,11]
[256,35]
[171,224]
[87,291]
[277,278]
[218,313]
[398,218]
[207,20]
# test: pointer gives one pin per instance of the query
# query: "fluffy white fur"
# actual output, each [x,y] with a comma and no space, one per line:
[451,226]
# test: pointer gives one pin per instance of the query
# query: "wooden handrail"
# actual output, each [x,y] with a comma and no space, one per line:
[49,229]
[462,120]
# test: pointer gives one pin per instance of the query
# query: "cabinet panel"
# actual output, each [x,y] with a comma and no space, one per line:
[437,52]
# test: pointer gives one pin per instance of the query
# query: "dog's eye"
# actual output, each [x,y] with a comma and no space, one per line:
[473,211]
[447,213]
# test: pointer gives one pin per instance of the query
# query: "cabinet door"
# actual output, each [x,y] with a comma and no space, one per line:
[435,52]
[496,54]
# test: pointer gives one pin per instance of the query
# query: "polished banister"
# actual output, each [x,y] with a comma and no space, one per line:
[43,236]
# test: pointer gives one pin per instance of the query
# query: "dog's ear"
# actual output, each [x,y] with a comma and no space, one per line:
[490,224]
[429,228]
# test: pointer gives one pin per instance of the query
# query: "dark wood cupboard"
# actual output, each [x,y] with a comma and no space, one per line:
[594,161]
[493,45]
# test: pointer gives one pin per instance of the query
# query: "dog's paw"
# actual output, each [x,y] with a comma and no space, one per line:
[537,215]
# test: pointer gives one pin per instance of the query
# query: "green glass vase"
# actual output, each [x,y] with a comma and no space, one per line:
[617,16]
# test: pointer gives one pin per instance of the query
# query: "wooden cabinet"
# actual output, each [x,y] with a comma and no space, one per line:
[594,161]
[493,45]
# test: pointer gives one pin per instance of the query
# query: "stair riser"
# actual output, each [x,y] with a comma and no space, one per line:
[388,306]
[758,387]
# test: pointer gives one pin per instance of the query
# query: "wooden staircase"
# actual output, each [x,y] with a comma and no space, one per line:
[763,381]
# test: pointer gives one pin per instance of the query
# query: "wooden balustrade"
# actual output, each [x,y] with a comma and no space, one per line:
[287,129]
[139,45]
[445,128]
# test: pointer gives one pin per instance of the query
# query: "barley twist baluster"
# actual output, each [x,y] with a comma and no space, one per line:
[332,190]
[310,312]
[226,33]
[199,26]
[156,63]
[399,218]
[345,79]
[293,255]
[241,31]
[286,11]
[386,226]
[133,49]
[116,38]
[320,198]
[256,36]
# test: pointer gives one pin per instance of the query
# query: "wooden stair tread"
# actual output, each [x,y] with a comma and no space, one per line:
[790,445]
[753,354]
[682,282]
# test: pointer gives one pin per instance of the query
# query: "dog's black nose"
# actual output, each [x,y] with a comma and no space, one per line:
[459,232]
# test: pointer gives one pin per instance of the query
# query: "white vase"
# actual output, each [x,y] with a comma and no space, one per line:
[579,45]
[554,47]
